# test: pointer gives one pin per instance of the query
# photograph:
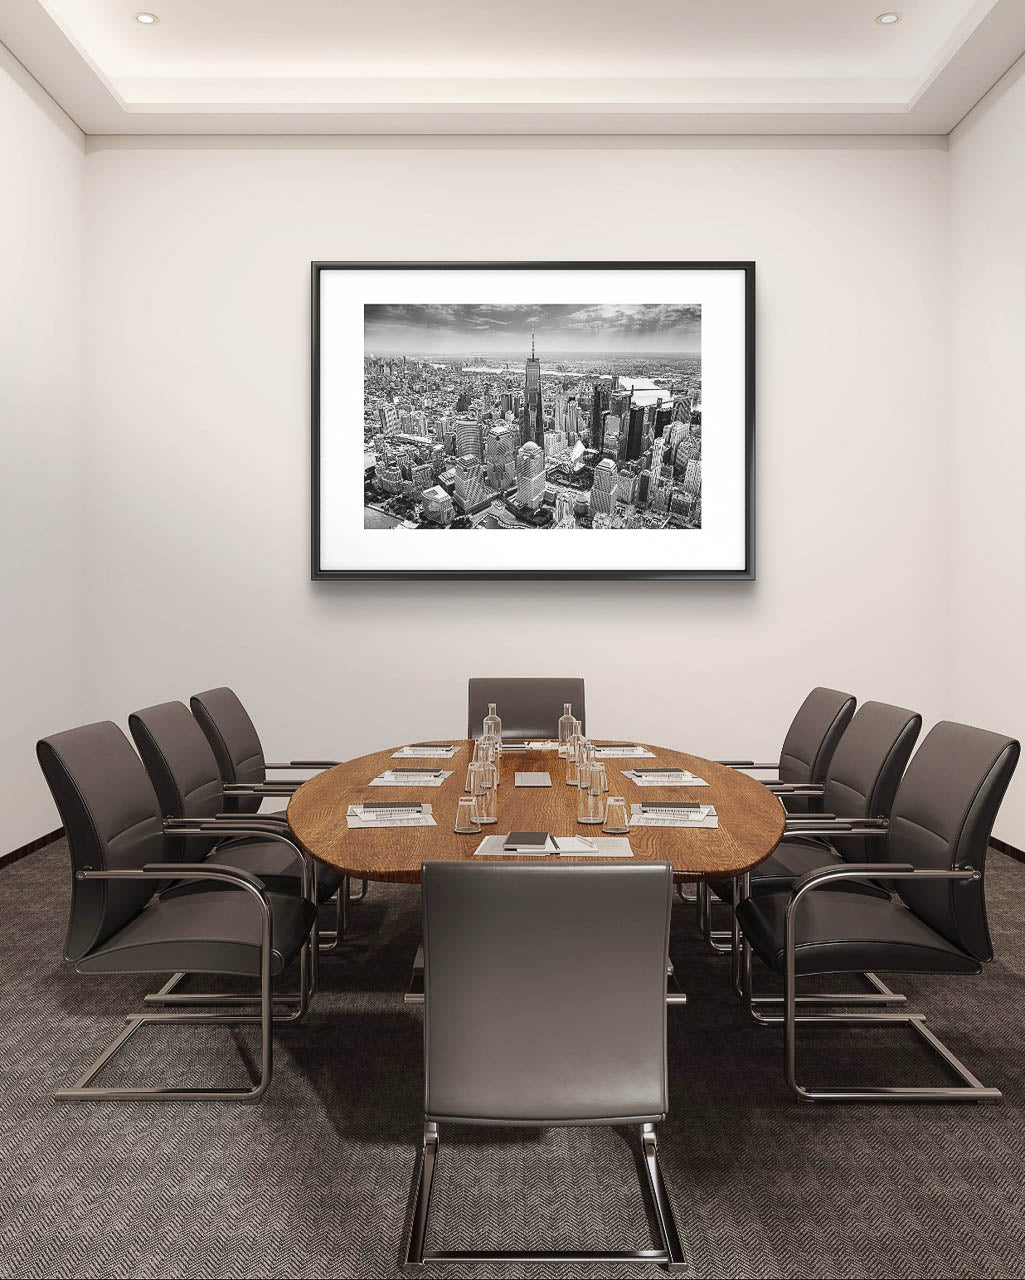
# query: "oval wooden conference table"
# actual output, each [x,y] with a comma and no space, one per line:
[750,817]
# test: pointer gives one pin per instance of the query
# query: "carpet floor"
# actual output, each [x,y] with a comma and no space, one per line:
[316,1180]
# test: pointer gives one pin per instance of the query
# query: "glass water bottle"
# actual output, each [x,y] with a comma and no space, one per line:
[493,723]
[566,727]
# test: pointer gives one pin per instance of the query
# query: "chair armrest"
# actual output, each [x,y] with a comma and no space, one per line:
[180,871]
[203,828]
[276,787]
[794,819]
[273,818]
[793,788]
[305,764]
[880,871]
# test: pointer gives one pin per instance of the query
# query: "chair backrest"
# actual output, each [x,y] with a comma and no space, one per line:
[234,741]
[529,707]
[179,762]
[545,991]
[866,769]
[814,734]
[943,817]
[112,823]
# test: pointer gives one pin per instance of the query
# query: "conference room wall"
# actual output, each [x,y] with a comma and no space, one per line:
[988,448]
[196,477]
[42,160]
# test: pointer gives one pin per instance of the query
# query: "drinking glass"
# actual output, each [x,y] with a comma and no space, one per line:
[599,772]
[617,817]
[590,800]
[491,753]
[485,792]
[466,816]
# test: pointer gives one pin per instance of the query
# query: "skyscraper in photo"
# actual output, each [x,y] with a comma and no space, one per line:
[501,458]
[530,476]
[470,490]
[533,413]
[605,478]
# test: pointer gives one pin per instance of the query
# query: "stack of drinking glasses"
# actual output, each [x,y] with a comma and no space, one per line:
[480,806]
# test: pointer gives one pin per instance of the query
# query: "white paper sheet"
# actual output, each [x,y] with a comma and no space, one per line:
[666,780]
[622,753]
[357,819]
[389,779]
[424,753]
[569,846]
[704,819]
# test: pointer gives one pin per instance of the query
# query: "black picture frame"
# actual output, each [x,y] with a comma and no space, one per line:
[745,573]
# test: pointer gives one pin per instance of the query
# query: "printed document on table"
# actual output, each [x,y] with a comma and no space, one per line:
[683,779]
[357,817]
[704,818]
[396,778]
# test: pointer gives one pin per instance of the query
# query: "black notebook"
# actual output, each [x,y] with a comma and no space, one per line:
[525,841]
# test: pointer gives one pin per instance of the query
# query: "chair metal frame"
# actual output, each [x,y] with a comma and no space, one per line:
[82,1091]
[973,1090]
[670,1256]
[330,938]
[818,825]
[244,825]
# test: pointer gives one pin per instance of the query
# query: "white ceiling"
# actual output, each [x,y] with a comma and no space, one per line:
[549,66]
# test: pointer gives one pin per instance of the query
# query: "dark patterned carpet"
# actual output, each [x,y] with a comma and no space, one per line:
[316,1180]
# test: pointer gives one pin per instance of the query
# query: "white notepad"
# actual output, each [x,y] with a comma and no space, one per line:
[358,818]
[622,753]
[533,779]
[396,778]
[568,846]
[704,818]
[681,779]
[424,753]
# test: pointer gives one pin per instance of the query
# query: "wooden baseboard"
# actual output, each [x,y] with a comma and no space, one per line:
[7,858]
[1003,847]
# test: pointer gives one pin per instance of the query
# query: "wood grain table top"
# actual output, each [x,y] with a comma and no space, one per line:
[750,817]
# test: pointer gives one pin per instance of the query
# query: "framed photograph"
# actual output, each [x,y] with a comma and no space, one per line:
[528,420]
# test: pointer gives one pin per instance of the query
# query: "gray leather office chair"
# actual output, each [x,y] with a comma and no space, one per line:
[804,758]
[545,1005]
[222,921]
[813,736]
[861,782]
[530,706]
[184,774]
[858,795]
[935,922]
[239,753]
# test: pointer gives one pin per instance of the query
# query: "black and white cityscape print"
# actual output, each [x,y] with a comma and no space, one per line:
[548,416]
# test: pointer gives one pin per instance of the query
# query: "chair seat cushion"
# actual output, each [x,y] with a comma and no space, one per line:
[792,859]
[275,864]
[849,933]
[208,930]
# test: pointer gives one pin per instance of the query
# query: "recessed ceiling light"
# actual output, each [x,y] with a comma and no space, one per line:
[888,19]
[147,19]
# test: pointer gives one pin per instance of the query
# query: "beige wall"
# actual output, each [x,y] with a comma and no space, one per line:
[42,162]
[196,475]
[987,161]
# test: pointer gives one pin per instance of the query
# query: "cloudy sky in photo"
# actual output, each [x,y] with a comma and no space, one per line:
[462,328]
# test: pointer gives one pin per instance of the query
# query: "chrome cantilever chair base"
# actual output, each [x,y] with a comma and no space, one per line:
[669,1256]
[266,1019]
[972,1090]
